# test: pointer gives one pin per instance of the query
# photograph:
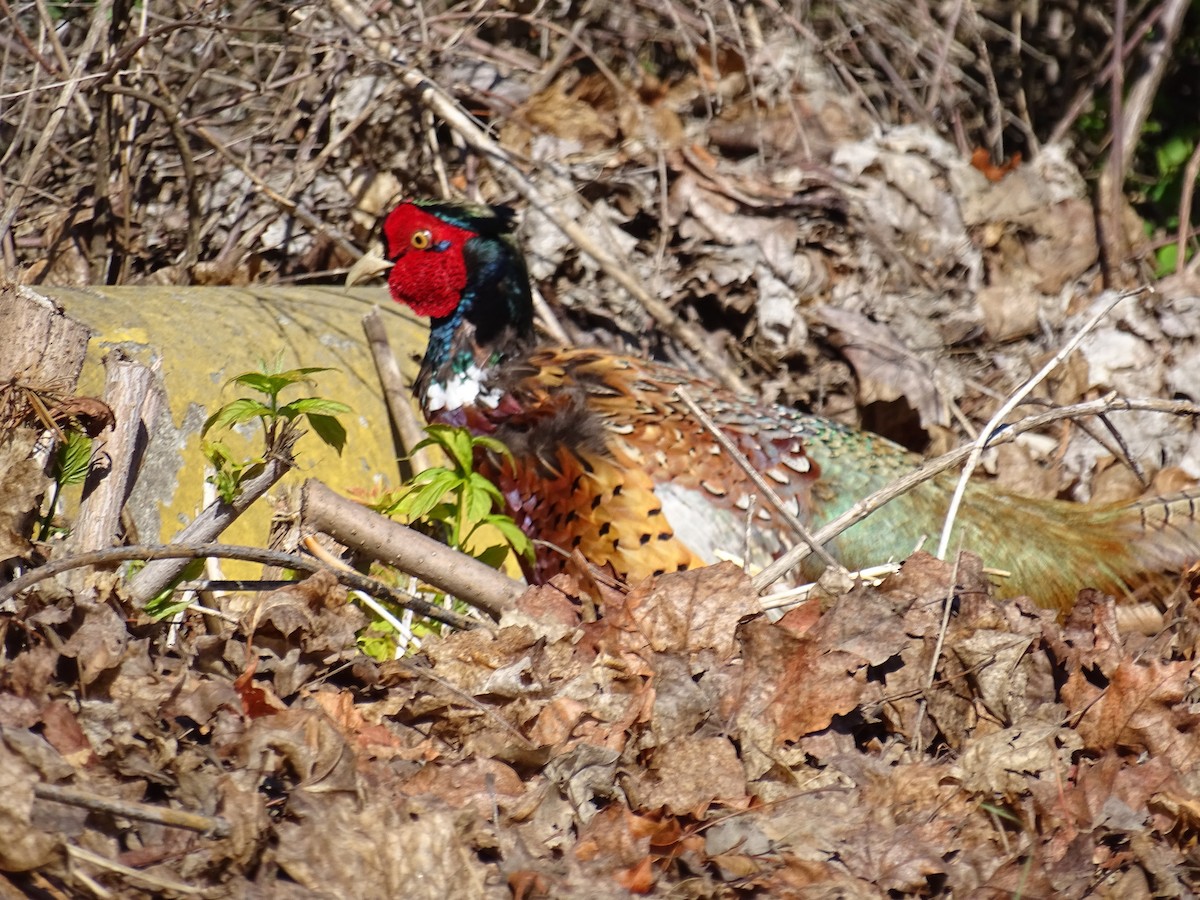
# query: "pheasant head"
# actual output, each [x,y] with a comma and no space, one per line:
[458,264]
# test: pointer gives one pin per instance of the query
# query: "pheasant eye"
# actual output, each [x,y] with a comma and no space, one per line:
[421,240]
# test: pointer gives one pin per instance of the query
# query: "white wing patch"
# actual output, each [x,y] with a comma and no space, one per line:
[464,388]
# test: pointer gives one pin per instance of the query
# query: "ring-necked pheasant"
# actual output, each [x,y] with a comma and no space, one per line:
[609,460]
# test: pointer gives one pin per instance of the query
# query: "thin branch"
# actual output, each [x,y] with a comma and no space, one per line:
[1140,98]
[171,116]
[38,156]
[1190,173]
[939,645]
[1129,114]
[365,530]
[1008,406]
[396,393]
[231,551]
[1115,244]
[164,885]
[206,527]
[288,205]
[938,76]
[1087,92]
[176,818]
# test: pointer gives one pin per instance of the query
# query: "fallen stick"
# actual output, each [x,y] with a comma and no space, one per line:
[130,809]
[410,551]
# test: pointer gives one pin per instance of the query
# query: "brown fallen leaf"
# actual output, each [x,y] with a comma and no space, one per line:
[887,369]
[99,644]
[794,683]
[689,774]
[692,612]
[1142,710]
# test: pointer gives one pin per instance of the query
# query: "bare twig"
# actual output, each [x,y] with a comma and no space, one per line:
[171,116]
[153,879]
[130,809]
[1008,406]
[947,607]
[396,394]
[1114,243]
[1089,87]
[287,204]
[237,584]
[48,28]
[547,319]
[1140,98]
[37,158]
[995,108]
[935,80]
[1190,173]
[347,577]
[205,528]
[1129,114]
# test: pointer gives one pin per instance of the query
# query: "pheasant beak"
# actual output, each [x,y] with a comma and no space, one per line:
[368,266]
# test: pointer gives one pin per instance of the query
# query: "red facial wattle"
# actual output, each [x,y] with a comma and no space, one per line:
[429,272]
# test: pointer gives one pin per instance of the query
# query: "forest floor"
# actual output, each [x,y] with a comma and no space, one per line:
[824,210]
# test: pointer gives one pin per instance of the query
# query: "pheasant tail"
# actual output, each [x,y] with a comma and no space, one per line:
[1052,549]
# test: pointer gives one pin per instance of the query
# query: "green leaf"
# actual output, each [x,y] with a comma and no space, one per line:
[240,410]
[476,483]
[441,516]
[274,383]
[493,556]
[227,482]
[259,381]
[1172,154]
[479,497]
[251,468]
[424,498]
[294,376]
[1165,259]
[329,430]
[74,454]
[437,473]
[380,647]
[318,406]
[165,606]
[422,444]
[517,539]
[477,503]
[495,445]
[216,452]
[455,441]
[462,449]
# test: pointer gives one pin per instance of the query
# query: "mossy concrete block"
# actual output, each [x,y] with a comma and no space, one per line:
[197,338]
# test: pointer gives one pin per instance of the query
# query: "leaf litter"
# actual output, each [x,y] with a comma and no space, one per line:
[675,742]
